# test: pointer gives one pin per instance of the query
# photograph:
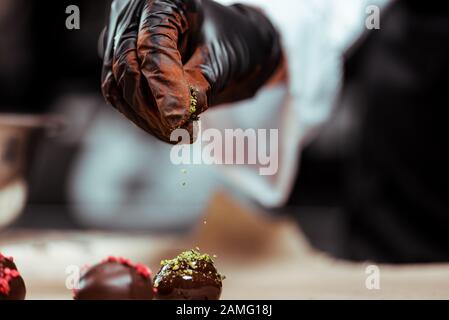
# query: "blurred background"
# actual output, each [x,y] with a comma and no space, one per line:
[372,185]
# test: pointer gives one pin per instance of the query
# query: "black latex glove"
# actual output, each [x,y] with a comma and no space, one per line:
[162,53]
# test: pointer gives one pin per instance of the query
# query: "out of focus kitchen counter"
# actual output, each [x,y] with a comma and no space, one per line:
[261,257]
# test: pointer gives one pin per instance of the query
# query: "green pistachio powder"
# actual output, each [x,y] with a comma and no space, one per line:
[186,262]
[193,104]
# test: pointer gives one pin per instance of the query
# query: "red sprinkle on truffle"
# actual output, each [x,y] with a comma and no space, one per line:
[6,275]
[141,269]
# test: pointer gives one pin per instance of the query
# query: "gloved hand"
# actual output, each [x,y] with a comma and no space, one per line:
[167,61]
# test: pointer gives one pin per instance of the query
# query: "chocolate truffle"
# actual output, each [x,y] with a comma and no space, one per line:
[189,276]
[115,279]
[12,286]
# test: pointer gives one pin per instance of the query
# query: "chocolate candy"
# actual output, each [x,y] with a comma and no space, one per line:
[115,279]
[189,276]
[12,286]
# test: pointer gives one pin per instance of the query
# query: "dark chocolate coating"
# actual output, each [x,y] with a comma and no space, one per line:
[17,289]
[204,283]
[114,281]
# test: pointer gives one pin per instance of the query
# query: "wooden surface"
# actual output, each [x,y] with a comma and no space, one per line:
[262,259]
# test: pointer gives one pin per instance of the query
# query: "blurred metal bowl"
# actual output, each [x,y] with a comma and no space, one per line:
[19,134]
